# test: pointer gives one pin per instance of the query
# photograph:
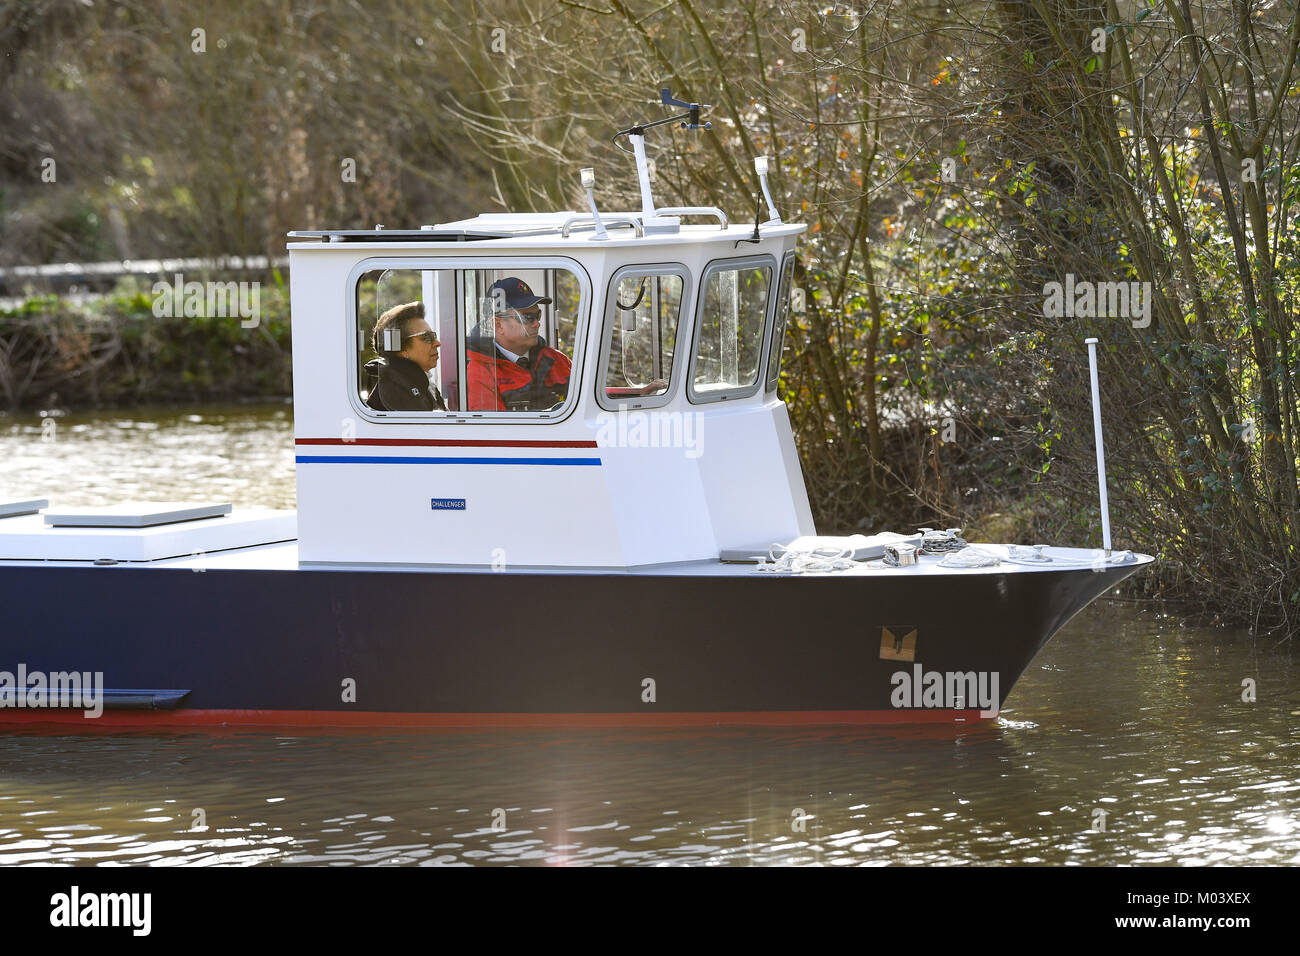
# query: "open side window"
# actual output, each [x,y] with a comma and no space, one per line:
[639,343]
[731,320]
[466,340]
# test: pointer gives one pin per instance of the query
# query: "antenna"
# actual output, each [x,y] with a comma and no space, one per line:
[692,117]
[758,214]
[692,110]
[636,136]
[1101,451]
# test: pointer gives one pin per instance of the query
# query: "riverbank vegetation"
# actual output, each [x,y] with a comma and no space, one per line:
[56,353]
[964,167]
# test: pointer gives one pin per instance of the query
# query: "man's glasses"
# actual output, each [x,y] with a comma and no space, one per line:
[427,337]
[526,318]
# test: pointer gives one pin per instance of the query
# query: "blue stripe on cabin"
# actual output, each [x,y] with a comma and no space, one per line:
[379,460]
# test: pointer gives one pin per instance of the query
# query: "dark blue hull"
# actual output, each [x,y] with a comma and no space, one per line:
[283,647]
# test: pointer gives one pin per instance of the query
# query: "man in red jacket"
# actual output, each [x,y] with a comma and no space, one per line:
[515,370]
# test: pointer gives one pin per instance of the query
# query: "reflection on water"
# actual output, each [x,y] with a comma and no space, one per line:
[1124,712]
[242,454]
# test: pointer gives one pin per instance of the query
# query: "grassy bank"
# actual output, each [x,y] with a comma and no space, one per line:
[58,353]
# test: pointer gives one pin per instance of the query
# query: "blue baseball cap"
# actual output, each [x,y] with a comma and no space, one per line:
[517,294]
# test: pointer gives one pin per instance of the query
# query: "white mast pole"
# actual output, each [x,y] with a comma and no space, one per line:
[1101,451]
[643,175]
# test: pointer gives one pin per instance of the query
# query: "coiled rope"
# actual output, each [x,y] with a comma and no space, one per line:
[794,561]
[970,558]
[941,542]
[956,551]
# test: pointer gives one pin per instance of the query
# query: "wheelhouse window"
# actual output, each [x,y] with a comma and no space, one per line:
[729,333]
[779,323]
[640,338]
[443,342]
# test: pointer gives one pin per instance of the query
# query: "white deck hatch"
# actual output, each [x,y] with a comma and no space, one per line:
[9,509]
[134,515]
[29,538]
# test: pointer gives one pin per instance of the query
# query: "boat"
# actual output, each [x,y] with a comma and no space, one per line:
[585,508]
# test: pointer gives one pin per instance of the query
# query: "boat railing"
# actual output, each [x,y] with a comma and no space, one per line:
[694,211]
[590,222]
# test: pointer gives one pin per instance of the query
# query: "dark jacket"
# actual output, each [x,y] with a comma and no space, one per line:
[496,383]
[402,386]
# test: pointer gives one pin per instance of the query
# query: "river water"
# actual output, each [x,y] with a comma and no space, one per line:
[1126,742]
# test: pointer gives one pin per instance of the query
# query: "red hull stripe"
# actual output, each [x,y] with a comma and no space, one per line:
[449,442]
[185,717]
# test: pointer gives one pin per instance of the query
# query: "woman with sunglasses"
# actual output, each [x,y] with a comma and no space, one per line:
[409,350]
